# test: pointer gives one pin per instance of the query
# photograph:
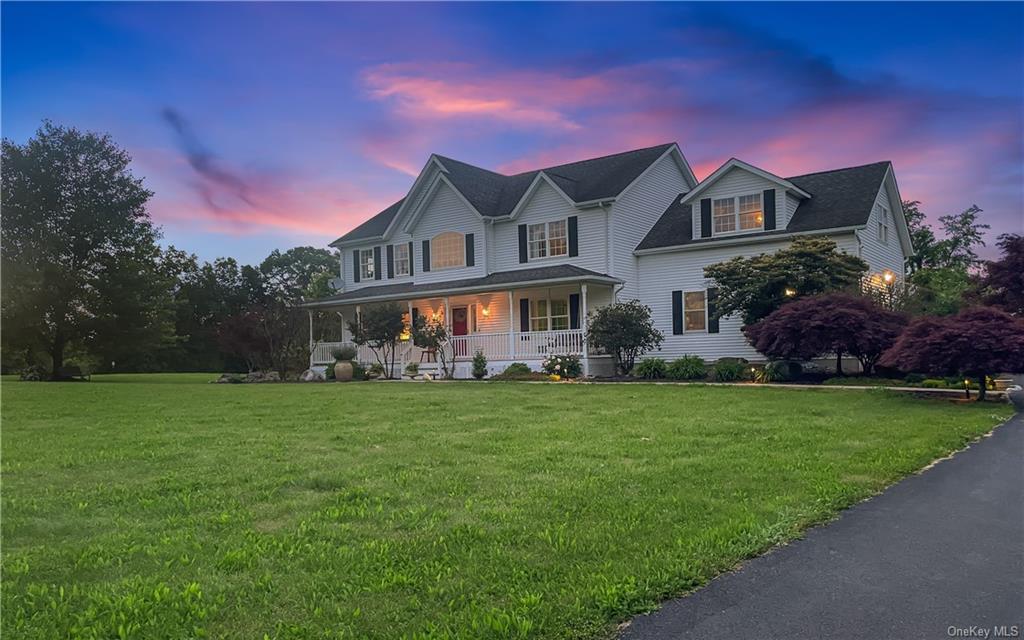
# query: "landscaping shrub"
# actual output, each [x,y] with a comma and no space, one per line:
[651,369]
[914,378]
[687,368]
[519,375]
[517,368]
[565,366]
[412,369]
[625,330]
[934,383]
[864,381]
[358,371]
[479,365]
[329,371]
[728,369]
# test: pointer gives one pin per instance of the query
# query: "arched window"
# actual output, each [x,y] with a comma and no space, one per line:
[447,250]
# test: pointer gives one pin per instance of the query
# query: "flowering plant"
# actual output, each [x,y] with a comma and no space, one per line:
[566,366]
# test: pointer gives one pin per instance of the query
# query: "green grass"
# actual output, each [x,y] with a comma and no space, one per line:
[165,507]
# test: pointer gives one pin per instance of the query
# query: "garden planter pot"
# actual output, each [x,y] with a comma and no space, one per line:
[343,371]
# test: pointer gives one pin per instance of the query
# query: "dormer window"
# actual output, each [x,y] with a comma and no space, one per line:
[402,260]
[448,250]
[743,213]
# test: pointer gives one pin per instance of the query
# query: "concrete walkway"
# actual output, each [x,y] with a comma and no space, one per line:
[938,555]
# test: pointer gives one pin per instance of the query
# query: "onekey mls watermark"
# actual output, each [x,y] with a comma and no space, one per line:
[984,632]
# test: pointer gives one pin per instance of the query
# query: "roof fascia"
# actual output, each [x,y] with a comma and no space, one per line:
[740,240]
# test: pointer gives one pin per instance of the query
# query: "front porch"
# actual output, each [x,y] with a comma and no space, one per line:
[511,325]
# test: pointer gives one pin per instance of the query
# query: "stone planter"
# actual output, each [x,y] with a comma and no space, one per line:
[1016,396]
[343,371]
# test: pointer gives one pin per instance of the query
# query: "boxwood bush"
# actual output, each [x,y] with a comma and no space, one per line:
[729,369]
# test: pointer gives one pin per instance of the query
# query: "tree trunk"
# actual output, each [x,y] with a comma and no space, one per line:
[981,387]
[57,355]
[839,363]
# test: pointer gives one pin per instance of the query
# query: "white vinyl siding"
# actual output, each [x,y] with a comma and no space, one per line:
[633,215]
[663,273]
[546,205]
[880,255]
[447,212]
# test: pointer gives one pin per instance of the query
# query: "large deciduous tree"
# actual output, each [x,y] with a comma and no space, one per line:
[80,262]
[830,324]
[756,286]
[625,330]
[293,274]
[1002,282]
[976,342]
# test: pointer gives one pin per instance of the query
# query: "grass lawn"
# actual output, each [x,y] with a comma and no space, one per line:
[164,507]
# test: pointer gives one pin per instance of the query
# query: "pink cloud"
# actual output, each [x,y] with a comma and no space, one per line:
[444,91]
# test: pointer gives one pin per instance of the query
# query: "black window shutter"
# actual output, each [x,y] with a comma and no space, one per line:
[524,314]
[574,310]
[712,303]
[355,265]
[522,244]
[426,256]
[376,264]
[677,312]
[415,315]
[705,218]
[470,251]
[410,257]
[391,261]
[768,201]
[574,239]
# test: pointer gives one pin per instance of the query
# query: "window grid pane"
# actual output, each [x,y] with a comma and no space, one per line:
[558,239]
[538,240]
[447,250]
[694,307]
[725,215]
[751,216]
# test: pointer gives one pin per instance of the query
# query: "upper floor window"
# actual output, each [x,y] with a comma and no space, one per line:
[366,265]
[744,213]
[448,250]
[883,225]
[548,239]
[549,315]
[402,259]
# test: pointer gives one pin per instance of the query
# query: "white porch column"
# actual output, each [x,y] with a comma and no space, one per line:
[447,315]
[583,326]
[310,312]
[511,329]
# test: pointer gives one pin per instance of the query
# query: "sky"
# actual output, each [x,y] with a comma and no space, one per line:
[270,125]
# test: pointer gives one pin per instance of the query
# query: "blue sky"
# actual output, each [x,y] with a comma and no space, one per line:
[263,126]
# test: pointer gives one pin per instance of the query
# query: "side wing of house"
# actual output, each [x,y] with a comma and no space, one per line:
[636,211]
[884,242]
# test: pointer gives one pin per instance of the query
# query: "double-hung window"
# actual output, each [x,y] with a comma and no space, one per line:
[548,239]
[743,213]
[695,311]
[448,250]
[366,264]
[883,225]
[402,259]
[549,315]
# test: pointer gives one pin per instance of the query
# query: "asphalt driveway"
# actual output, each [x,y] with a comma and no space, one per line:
[938,555]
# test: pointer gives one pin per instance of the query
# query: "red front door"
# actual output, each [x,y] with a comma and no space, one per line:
[460,327]
[460,324]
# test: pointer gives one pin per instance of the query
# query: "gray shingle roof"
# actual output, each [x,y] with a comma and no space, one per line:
[839,198]
[567,272]
[496,195]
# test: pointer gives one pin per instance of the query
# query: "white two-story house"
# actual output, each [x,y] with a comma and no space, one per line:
[514,264]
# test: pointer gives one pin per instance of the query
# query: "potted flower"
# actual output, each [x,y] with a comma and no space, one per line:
[343,357]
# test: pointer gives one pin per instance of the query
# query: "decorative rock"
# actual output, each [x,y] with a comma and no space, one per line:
[311,375]
[1016,396]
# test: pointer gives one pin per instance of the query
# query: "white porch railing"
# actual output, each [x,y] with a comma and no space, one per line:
[527,345]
